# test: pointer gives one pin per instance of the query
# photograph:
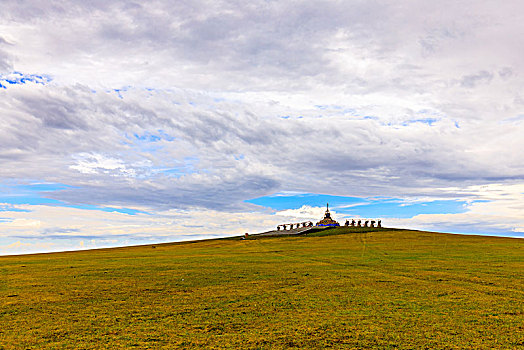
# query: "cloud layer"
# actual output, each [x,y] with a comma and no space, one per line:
[201,106]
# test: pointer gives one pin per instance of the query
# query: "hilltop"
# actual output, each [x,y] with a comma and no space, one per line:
[339,288]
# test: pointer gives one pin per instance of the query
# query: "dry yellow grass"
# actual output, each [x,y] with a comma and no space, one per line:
[386,289]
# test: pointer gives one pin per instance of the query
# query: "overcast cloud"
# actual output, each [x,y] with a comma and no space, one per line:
[169,106]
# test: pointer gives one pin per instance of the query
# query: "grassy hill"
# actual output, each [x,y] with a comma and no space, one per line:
[333,289]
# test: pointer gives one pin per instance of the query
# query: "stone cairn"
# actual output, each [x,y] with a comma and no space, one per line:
[287,227]
[363,223]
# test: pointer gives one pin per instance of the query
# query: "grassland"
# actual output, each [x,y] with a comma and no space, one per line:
[334,289]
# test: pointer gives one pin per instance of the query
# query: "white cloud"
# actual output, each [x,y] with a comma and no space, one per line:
[497,209]
[304,213]
[96,163]
[67,228]
[19,248]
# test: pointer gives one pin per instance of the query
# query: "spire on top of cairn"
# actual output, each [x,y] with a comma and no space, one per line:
[327,220]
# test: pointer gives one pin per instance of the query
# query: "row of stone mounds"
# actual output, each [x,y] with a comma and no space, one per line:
[284,227]
[363,223]
[352,223]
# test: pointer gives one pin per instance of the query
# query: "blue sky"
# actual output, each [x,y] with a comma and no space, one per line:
[159,121]
[376,207]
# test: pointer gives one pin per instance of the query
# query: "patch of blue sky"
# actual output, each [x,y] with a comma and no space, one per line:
[147,141]
[38,194]
[399,209]
[147,137]
[151,136]
[11,208]
[127,211]
[377,207]
[119,93]
[18,199]
[429,121]
[283,201]
[29,193]
[19,78]
[120,90]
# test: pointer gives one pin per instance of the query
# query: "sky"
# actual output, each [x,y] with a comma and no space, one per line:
[127,122]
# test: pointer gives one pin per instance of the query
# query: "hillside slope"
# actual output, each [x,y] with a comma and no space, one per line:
[382,289]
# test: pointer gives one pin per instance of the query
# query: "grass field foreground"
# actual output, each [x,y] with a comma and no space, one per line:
[383,289]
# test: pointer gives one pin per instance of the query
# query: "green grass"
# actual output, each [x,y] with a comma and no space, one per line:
[382,289]
[318,232]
